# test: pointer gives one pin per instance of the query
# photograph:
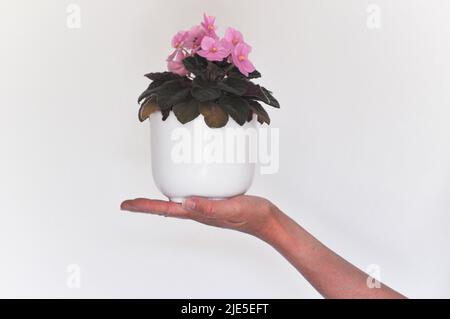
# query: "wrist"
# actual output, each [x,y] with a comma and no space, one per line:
[274,226]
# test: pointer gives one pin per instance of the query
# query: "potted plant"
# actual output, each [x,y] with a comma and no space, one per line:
[208,87]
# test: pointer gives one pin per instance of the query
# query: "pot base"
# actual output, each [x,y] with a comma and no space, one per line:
[180,200]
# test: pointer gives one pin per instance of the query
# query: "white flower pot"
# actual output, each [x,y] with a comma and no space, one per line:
[188,160]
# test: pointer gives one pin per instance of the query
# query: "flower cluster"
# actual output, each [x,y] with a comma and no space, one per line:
[203,40]
[208,76]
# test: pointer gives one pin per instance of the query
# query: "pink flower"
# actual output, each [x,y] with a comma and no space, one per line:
[233,36]
[209,26]
[240,58]
[176,65]
[179,39]
[172,55]
[213,49]
[194,38]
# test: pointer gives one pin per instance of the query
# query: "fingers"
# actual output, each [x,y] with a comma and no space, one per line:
[157,207]
[197,208]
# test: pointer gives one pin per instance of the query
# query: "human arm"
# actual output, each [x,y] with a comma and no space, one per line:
[331,275]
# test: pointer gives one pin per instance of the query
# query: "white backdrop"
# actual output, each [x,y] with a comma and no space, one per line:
[364,154]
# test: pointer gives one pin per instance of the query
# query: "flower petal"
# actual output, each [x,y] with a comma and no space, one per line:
[172,56]
[207,43]
[203,53]
[248,66]
[229,35]
[245,49]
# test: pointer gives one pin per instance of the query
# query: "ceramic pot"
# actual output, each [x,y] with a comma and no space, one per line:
[193,159]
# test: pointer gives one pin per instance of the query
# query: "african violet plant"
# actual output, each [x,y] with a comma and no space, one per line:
[209,76]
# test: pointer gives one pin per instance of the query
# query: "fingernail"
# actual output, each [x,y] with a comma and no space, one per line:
[188,204]
[126,206]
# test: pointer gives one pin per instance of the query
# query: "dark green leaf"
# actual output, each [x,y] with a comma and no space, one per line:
[165,114]
[163,76]
[236,107]
[214,72]
[235,73]
[215,116]
[272,101]
[224,64]
[151,90]
[196,65]
[261,113]
[171,93]
[204,90]
[254,75]
[186,111]
[158,78]
[204,95]
[250,116]
[261,94]
[234,85]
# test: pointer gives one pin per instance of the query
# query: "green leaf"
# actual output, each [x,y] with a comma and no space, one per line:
[158,78]
[261,113]
[186,111]
[163,76]
[204,95]
[254,75]
[234,85]
[171,93]
[196,65]
[204,90]
[272,101]
[215,116]
[259,93]
[214,72]
[165,114]
[147,108]
[224,64]
[151,90]
[236,107]
[235,73]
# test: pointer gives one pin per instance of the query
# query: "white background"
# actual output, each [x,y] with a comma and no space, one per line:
[364,154]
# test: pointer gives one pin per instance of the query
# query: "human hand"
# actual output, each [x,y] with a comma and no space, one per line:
[249,214]
[324,269]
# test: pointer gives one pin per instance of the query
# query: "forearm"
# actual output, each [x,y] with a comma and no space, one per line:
[331,275]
